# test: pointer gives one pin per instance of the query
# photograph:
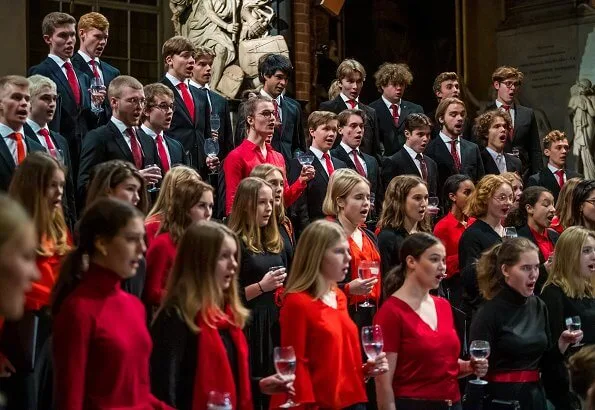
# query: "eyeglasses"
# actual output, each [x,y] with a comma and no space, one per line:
[165,107]
[510,84]
[136,101]
[504,198]
[266,114]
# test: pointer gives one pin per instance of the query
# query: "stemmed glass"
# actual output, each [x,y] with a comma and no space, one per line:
[152,187]
[479,349]
[211,149]
[510,232]
[372,341]
[97,87]
[305,158]
[215,122]
[433,205]
[219,401]
[573,324]
[516,151]
[285,364]
[367,270]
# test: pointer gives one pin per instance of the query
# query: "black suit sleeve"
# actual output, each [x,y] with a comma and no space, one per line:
[533,180]
[228,144]
[470,248]
[389,245]
[240,133]
[299,139]
[533,146]
[69,189]
[326,106]
[480,169]
[92,153]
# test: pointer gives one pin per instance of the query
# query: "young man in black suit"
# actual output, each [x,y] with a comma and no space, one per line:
[93,31]
[73,117]
[525,135]
[14,144]
[555,174]
[190,122]
[351,76]
[119,139]
[43,106]
[492,129]
[411,160]
[391,109]
[274,71]
[453,154]
[156,119]
[322,132]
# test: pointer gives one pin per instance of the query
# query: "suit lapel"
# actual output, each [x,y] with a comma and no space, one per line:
[120,141]
[180,106]
[411,162]
[59,76]
[340,104]
[319,168]
[286,112]
[6,155]
[29,131]
[465,152]
[405,111]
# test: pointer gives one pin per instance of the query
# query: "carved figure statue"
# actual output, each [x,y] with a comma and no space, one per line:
[582,109]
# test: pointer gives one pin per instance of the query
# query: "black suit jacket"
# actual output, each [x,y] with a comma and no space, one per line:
[513,164]
[109,73]
[191,134]
[401,163]
[371,144]
[68,199]
[71,121]
[553,236]
[525,136]
[220,105]
[176,151]
[106,143]
[7,164]
[392,136]
[546,179]
[308,207]
[286,140]
[471,163]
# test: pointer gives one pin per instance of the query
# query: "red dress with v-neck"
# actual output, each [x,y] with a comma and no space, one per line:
[427,359]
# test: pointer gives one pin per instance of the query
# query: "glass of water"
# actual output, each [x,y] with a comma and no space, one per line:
[152,187]
[285,364]
[305,158]
[510,232]
[96,89]
[219,401]
[372,341]
[367,270]
[211,149]
[479,349]
[433,205]
[573,324]
[215,122]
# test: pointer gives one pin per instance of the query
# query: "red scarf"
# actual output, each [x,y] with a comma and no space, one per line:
[212,355]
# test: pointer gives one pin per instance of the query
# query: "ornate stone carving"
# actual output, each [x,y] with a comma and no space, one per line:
[582,109]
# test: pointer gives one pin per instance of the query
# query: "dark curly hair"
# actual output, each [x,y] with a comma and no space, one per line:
[484,122]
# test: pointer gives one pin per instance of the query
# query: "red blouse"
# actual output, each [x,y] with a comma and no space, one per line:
[449,230]
[557,225]
[545,245]
[101,348]
[152,225]
[161,256]
[368,252]
[427,360]
[328,353]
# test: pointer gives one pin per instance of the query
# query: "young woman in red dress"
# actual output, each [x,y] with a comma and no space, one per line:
[192,202]
[315,321]
[101,345]
[420,339]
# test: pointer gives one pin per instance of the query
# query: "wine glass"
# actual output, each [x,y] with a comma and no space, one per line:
[573,324]
[219,401]
[372,341]
[285,364]
[367,270]
[97,87]
[433,205]
[152,187]
[510,232]
[479,349]
[215,122]
[211,149]
[305,158]
[516,151]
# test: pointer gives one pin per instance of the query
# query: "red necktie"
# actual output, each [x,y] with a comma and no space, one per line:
[423,166]
[352,103]
[277,116]
[94,67]
[18,137]
[73,82]
[137,154]
[188,101]
[507,108]
[358,165]
[395,109]
[162,153]
[455,154]
[560,175]
[329,163]
[48,141]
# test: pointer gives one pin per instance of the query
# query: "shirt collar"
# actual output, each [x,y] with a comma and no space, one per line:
[174,80]
[552,168]
[317,152]
[493,153]
[148,131]
[5,130]
[539,236]
[345,99]
[58,60]
[121,126]
[86,57]
[35,126]
[389,104]
[347,148]
[410,151]
[447,139]
[197,85]
[278,99]
[500,104]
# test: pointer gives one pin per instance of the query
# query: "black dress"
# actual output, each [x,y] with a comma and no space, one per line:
[560,306]
[389,245]
[288,242]
[518,331]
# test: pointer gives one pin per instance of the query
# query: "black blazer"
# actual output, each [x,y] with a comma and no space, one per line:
[68,199]
[109,73]
[401,163]
[393,137]
[176,151]
[220,106]
[546,179]
[371,144]
[513,164]
[7,164]
[191,134]
[308,207]
[286,140]
[71,121]
[471,163]
[106,143]
[525,136]
[553,236]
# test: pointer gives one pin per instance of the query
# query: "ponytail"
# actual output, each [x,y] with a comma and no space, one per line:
[71,272]
[393,280]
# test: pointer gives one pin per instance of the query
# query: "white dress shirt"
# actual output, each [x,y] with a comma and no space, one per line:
[553,169]
[318,154]
[499,159]
[153,135]
[511,111]
[36,128]
[349,151]
[447,140]
[5,131]
[413,156]
[175,83]
[97,65]
[61,63]
[345,99]
[389,106]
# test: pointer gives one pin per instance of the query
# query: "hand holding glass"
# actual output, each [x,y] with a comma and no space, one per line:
[372,341]
[211,149]
[479,349]
[285,364]
[367,270]
[573,324]
[433,205]
[97,92]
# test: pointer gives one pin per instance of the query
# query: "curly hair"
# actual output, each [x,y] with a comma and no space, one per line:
[505,72]
[477,205]
[553,136]
[393,206]
[484,122]
[390,73]
[442,77]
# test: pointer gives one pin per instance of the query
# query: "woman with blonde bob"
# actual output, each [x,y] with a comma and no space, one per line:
[563,218]
[568,292]
[315,321]
[347,202]
[199,326]
[193,202]
[174,178]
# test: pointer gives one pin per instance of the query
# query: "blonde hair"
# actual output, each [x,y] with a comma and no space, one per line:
[192,287]
[202,51]
[565,271]
[510,177]
[14,80]
[348,67]
[38,82]
[443,106]
[564,202]
[117,84]
[242,219]
[13,219]
[340,184]
[263,171]
[477,204]
[175,177]
[315,240]
[394,204]
[334,90]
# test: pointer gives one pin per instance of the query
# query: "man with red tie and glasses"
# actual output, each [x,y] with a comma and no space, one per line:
[119,138]
[391,109]
[14,144]
[190,122]
[73,117]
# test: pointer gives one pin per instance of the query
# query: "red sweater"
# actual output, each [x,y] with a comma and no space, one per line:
[101,348]
[328,353]
[449,230]
[161,255]
[152,225]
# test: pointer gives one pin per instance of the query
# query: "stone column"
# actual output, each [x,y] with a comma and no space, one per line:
[302,45]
